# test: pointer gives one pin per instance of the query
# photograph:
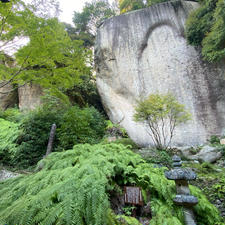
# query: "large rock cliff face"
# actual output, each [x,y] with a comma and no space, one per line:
[145,52]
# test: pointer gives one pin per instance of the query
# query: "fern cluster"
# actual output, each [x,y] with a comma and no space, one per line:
[25,135]
[9,131]
[73,187]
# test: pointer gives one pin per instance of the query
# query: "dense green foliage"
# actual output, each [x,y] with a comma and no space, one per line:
[87,21]
[11,114]
[215,141]
[85,93]
[55,55]
[24,136]
[50,58]
[159,157]
[115,130]
[9,131]
[12,20]
[162,114]
[206,28]
[33,140]
[125,142]
[211,180]
[130,5]
[85,125]
[74,187]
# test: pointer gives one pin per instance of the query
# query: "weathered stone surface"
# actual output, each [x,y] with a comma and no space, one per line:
[180,174]
[186,151]
[176,158]
[5,174]
[176,161]
[29,96]
[208,154]
[185,200]
[189,216]
[8,98]
[182,187]
[177,164]
[145,52]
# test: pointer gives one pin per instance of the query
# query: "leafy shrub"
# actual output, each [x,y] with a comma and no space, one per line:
[73,188]
[205,28]
[161,157]
[207,167]
[75,125]
[126,142]
[130,5]
[221,148]
[219,188]
[214,139]
[9,132]
[126,220]
[204,206]
[11,114]
[78,125]
[161,114]
[115,130]
[85,93]
[32,142]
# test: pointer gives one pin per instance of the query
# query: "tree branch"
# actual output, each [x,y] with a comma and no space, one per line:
[7,92]
[4,21]
[17,73]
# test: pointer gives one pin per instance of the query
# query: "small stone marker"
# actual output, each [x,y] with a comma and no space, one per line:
[222,141]
[133,195]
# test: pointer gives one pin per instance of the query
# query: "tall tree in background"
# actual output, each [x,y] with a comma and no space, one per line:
[206,28]
[86,22]
[130,5]
[12,19]
[85,27]
[50,58]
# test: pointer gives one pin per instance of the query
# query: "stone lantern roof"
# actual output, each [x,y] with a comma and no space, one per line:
[179,173]
[185,200]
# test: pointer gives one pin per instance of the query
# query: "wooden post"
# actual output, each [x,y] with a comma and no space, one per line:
[50,140]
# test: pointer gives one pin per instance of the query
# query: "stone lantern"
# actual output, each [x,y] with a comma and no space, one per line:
[181,176]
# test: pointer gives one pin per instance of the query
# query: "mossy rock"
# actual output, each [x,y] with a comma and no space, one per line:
[128,220]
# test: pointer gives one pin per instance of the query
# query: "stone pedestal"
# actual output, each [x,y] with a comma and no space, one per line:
[181,176]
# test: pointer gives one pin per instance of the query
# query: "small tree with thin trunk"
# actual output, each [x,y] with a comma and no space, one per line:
[161,114]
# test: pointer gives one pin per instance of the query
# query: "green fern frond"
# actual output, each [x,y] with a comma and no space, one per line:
[73,187]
